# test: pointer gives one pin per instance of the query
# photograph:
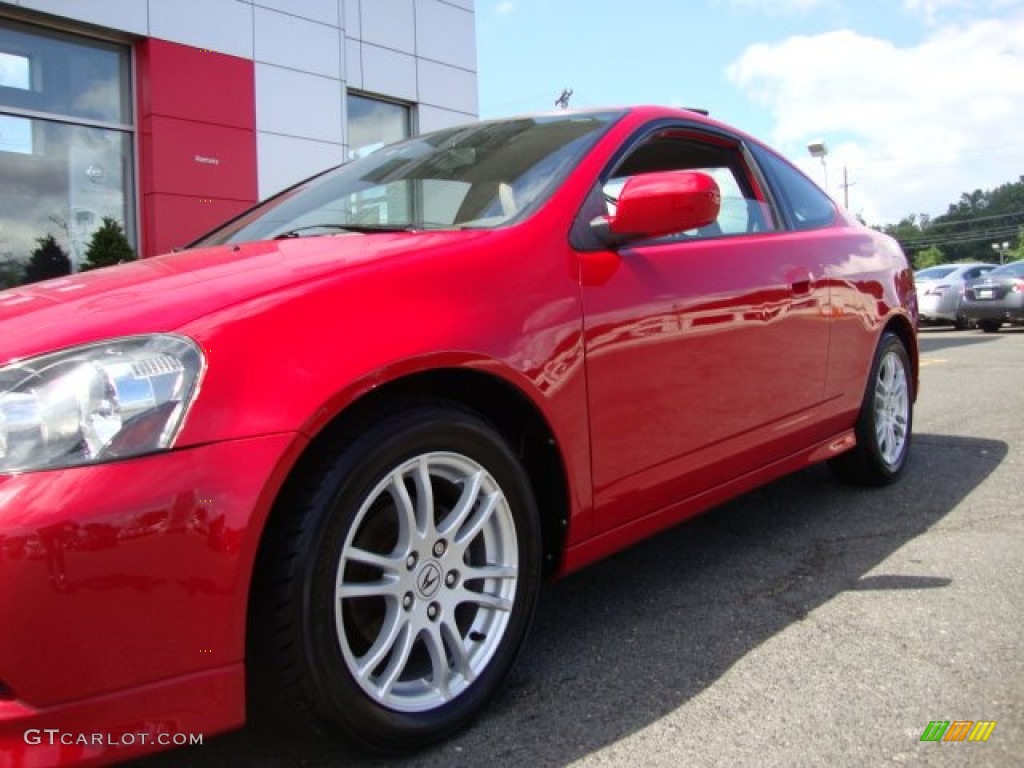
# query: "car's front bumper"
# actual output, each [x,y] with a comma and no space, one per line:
[123,594]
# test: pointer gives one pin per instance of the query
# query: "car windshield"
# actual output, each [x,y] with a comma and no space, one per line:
[933,273]
[482,175]
[1013,269]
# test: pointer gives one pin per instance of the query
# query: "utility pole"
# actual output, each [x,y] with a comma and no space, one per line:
[563,100]
[846,188]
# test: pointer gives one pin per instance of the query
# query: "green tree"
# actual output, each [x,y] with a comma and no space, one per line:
[11,272]
[47,260]
[1018,252]
[929,257]
[107,246]
[982,217]
[911,230]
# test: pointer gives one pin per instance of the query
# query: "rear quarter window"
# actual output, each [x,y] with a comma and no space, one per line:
[934,273]
[973,274]
[803,204]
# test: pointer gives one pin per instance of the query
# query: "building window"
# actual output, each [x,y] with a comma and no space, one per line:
[372,123]
[14,71]
[66,137]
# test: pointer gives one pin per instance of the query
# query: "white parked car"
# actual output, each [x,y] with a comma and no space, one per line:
[940,291]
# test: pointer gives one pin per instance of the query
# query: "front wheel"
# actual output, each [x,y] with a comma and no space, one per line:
[884,423]
[989,326]
[399,582]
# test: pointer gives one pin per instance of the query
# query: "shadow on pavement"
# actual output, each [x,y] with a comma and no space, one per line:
[928,343]
[934,339]
[621,644]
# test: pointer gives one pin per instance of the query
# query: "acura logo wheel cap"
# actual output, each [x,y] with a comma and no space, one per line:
[428,580]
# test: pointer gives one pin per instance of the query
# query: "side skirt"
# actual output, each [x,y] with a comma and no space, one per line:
[612,541]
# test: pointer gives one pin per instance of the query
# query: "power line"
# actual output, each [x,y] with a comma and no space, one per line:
[971,219]
[961,238]
[1008,228]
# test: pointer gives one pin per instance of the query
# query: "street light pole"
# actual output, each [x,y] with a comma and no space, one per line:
[1001,249]
[819,149]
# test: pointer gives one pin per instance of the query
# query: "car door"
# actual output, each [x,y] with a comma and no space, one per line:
[705,350]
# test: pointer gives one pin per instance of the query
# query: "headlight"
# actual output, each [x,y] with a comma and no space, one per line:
[98,402]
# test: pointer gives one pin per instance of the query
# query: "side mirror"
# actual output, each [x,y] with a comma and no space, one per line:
[656,204]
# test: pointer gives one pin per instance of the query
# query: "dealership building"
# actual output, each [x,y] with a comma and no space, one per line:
[171,116]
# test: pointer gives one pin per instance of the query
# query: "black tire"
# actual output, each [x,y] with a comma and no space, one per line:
[962,322]
[990,326]
[885,421]
[427,620]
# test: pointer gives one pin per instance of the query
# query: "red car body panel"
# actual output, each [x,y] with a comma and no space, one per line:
[141,587]
[124,586]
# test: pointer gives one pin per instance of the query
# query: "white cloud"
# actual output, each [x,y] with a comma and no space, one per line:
[505,7]
[916,126]
[936,11]
[776,7]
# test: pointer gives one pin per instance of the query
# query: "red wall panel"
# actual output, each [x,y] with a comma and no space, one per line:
[197,141]
[173,221]
[190,158]
[196,84]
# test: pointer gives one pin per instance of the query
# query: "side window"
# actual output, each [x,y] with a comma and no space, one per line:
[802,201]
[743,210]
[739,214]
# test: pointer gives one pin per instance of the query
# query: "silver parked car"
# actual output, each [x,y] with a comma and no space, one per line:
[996,298]
[940,291]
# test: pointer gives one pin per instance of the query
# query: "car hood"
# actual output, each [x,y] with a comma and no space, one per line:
[167,292]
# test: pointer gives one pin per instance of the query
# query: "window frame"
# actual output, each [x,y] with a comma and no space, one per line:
[75,34]
[582,237]
[410,119]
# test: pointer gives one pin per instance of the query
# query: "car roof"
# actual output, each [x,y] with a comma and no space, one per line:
[644,112]
[957,267]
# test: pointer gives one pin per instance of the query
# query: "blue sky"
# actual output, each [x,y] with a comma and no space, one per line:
[920,100]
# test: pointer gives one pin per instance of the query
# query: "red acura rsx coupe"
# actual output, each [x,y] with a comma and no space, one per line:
[320,461]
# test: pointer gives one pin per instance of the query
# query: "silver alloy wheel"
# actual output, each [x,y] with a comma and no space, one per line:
[426,582]
[892,408]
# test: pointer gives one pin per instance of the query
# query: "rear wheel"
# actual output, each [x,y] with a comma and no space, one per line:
[989,326]
[884,424]
[399,581]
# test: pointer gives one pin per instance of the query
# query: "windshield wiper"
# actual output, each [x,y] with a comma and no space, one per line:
[363,228]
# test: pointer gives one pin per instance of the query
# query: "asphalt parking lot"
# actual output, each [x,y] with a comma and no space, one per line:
[805,624]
